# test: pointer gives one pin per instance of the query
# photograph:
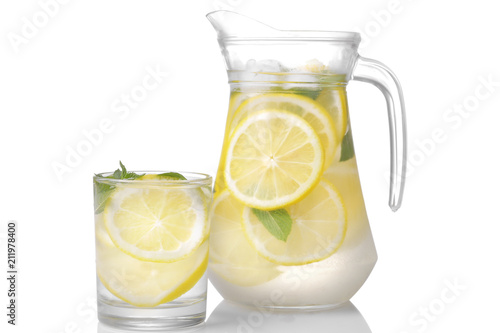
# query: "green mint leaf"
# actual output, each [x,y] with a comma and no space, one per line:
[116,175]
[101,194]
[103,191]
[307,92]
[124,174]
[172,176]
[278,222]
[124,170]
[347,150]
[131,175]
[312,94]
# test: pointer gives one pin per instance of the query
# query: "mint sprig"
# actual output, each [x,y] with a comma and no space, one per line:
[101,194]
[278,222]
[347,147]
[103,191]
[124,174]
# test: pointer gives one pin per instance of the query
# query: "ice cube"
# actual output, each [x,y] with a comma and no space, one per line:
[265,66]
[311,66]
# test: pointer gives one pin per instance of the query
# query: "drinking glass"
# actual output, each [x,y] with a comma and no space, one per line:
[152,248]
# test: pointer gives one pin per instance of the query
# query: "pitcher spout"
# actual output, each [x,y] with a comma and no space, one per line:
[230,24]
[234,25]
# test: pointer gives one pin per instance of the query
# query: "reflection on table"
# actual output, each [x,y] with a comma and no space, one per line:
[232,318]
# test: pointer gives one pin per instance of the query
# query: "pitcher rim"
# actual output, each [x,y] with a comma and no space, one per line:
[292,35]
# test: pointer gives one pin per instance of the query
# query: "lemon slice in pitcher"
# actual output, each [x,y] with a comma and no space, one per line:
[311,111]
[273,159]
[156,224]
[231,255]
[335,103]
[318,228]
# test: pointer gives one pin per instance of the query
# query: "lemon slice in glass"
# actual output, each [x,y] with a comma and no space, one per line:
[231,255]
[311,111]
[318,229]
[148,284]
[273,159]
[156,224]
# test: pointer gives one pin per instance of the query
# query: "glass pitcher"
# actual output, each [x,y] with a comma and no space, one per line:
[288,221]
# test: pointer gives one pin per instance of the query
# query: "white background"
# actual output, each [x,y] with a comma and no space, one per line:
[64,79]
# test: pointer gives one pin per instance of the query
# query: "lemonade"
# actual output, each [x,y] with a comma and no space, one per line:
[151,247]
[288,221]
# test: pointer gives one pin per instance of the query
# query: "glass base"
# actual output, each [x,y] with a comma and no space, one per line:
[173,316]
[286,308]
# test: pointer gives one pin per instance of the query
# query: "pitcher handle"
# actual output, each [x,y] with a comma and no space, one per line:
[376,73]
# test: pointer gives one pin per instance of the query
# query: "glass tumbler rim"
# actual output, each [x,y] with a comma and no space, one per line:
[194,179]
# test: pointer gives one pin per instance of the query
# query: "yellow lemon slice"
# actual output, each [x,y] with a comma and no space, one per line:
[318,229]
[344,176]
[334,101]
[273,159]
[148,284]
[101,234]
[311,111]
[234,102]
[156,224]
[231,255]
